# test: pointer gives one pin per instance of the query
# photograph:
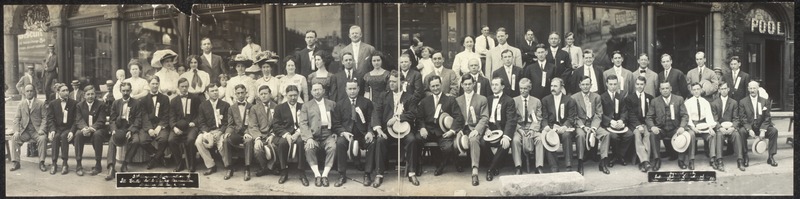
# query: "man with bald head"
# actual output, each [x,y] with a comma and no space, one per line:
[754,113]
[360,50]
[704,76]
[481,83]
[29,124]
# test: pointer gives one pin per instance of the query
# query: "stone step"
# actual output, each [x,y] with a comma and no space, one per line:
[542,184]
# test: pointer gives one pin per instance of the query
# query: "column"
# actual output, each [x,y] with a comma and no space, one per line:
[567,21]
[470,27]
[61,49]
[11,60]
[113,15]
[366,26]
[718,43]
[651,36]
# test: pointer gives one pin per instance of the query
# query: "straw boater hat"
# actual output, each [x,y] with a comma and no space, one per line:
[399,129]
[445,122]
[268,151]
[760,145]
[208,140]
[160,55]
[492,137]
[702,127]
[591,140]
[550,140]
[680,141]
[726,128]
[353,150]
[617,130]
[457,143]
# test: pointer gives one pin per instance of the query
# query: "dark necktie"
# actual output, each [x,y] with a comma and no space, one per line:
[349,74]
[196,80]
[700,72]
[487,41]
[353,111]
[698,108]
[525,109]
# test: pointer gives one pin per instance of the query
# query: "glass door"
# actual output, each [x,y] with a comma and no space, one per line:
[91,54]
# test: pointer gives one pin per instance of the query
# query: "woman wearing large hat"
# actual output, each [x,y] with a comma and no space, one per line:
[164,62]
[243,67]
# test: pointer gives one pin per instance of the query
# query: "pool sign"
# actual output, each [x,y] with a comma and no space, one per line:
[763,22]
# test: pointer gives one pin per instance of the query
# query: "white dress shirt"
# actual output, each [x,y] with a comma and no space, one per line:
[705,110]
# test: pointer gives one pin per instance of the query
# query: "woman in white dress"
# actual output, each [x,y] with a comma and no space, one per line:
[139,87]
[165,60]
[575,52]
[461,62]
[425,64]
[292,78]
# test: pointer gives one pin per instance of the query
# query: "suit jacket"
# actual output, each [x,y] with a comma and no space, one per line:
[528,52]
[629,79]
[608,108]
[55,116]
[507,113]
[207,121]
[24,81]
[133,123]
[51,63]
[573,85]
[343,121]
[97,112]
[659,114]
[534,113]
[450,81]
[549,111]
[746,115]
[304,61]
[414,85]
[36,115]
[483,86]
[743,78]
[730,114]
[386,110]
[177,110]
[262,119]
[426,109]
[149,119]
[284,121]
[108,99]
[651,86]
[494,59]
[311,119]
[562,61]
[597,107]
[365,51]
[533,72]
[79,97]
[517,73]
[238,122]
[677,80]
[478,117]
[214,67]
[636,116]
[338,87]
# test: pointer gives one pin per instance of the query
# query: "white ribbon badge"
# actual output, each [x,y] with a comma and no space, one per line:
[672,112]
[158,106]
[544,78]
[360,115]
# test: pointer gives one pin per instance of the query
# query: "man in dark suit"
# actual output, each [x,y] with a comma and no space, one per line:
[666,117]
[361,51]
[414,47]
[726,109]
[675,78]
[155,122]
[76,93]
[591,114]
[306,63]
[338,91]
[315,128]
[638,103]
[428,112]
[528,48]
[503,116]
[386,114]
[125,121]
[50,70]
[91,125]
[755,115]
[351,120]
[61,120]
[29,124]
[615,114]
[209,62]
[559,109]
[559,57]
[540,73]
[411,82]
[108,97]
[213,120]
[185,111]
[737,80]
[481,84]
[287,134]
[588,69]
[509,74]
[239,119]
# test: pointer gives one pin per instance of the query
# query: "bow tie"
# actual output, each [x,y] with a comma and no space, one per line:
[642,71]
[184,96]
[266,104]
[241,103]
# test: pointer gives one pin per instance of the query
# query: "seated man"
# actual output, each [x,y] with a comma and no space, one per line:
[755,115]
[638,103]
[387,114]
[529,126]
[351,118]
[503,117]
[239,118]
[699,111]
[262,123]
[726,109]
[558,109]
[590,111]
[91,126]
[125,123]
[614,114]
[29,125]
[185,111]
[315,128]
[61,120]
[213,121]
[287,133]
[666,117]
[476,112]
[155,121]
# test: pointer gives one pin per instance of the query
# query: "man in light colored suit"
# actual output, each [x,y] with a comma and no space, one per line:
[29,124]
[494,59]
[361,51]
[651,85]
[26,79]
[315,128]
[703,75]
[261,125]
[211,63]
[624,76]
[590,112]
[476,114]
[529,109]
[449,78]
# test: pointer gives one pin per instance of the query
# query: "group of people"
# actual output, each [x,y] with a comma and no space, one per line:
[497,100]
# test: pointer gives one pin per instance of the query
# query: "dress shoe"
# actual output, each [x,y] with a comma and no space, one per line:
[210,171]
[367,180]
[413,180]
[378,181]
[95,171]
[53,169]
[609,163]
[228,174]
[15,166]
[539,170]
[489,175]
[712,163]
[191,168]
[475,181]
[325,181]
[771,161]
[691,164]
[152,164]
[656,164]
[282,179]
[518,170]
[622,161]
[42,167]
[246,174]
[647,166]
[604,167]
[340,182]
[740,164]
[111,174]
[681,164]
[179,168]
[124,167]
[318,181]
[304,180]
[79,171]
[569,168]
[439,170]
[262,172]
[746,160]
[720,165]
[580,167]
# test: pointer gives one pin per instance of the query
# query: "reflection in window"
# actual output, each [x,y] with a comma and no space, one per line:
[228,31]
[605,30]
[91,53]
[680,36]
[537,18]
[332,24]
[145,38]
[502,16]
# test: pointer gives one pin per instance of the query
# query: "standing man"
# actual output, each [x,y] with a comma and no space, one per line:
[26,79]
[341,78]
[528,48]
[540,73]
[250,49]
[482,85]
[638,105]
[590,111]
[185,111]
[50,69]
[614,115]
[651,77]
[155,122]
[559,57]
[211,63]
[704,76]
[494,58]
[259,133]
[559,110]
[315,128]
[213,121]
[476,113]
[666,117]
[29,124]
[306,64]
[509,74]
[125,121]
[588,69]
[449,78]
[699,111]
[351,119]
[755,114]
[737,80]
[198,79]
[726,109]
[61,122]
[77,92]
[287,135]
[529,111]
[361,51]
[624,76]
[675,78]
[503,117]
[483,44]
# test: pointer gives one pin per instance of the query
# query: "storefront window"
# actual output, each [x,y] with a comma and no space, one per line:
[388,43]
[148,36]
[502,16]
[228,30]
[605,30]
[434,25]
[91,53]
[332,24]
[681,36]
[537,18]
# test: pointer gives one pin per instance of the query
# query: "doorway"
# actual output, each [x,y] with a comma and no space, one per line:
[773,57]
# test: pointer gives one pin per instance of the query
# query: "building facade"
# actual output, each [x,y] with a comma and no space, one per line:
[95,40]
